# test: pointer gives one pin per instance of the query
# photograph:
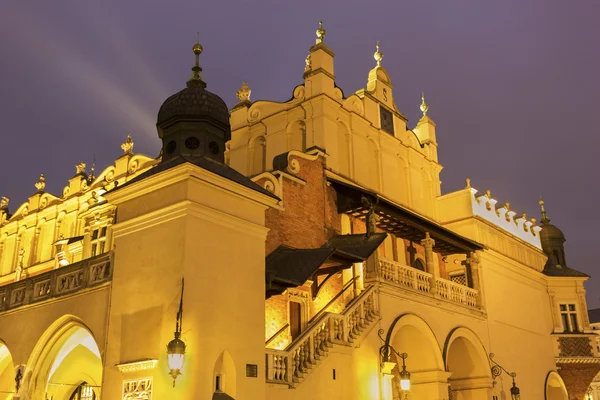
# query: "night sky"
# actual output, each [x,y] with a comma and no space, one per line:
[512,85]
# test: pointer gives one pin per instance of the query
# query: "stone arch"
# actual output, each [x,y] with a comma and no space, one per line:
[7,373]
[467,360]
[555,388]
[224,377]
[412,335]
[258,155]
[67,353]
[343,148]
[296,135]
[373,161]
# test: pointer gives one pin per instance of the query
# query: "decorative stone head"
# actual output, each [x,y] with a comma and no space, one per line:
[41,184]
[127,146]
[80,168]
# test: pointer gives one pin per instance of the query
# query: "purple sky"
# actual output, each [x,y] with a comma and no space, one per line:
[512,85]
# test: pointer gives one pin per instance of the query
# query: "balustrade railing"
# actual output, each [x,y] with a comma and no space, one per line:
[57,282]
[290,365]
[412,278]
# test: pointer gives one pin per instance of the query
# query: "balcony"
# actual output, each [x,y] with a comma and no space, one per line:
[422,282]
[57,282]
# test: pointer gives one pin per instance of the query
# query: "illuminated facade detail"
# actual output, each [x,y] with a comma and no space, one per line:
[137,366]
[137,389]
[302,229]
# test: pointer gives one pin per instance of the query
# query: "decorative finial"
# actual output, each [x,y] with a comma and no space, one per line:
[468,181]
[378,55]
[424,106]
[488,193]
[308,62]
[41,184]
[507,206]
[321,32]
[196,78]
[244,93]
[80,168]
[93,170]
[127,146]
[545,218]
[3,203]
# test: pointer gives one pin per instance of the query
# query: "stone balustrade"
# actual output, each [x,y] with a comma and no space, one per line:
[291,365]
[57,282]
[420,281]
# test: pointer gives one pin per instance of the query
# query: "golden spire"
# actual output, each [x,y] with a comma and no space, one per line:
[424,106]
[196,78]
[378,55]
[545,218]
[321,32]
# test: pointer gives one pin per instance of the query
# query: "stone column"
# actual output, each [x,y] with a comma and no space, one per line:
[554,311]
[372,264]
[472,264]
[428,244]
[33,257]
[15,260]
[582,306]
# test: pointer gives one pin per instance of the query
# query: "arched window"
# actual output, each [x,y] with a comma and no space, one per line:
[419,264]
[83,392]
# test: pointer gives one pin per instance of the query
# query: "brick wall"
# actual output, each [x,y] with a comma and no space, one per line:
[577,377]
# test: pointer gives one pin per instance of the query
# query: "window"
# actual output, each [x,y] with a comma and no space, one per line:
[568,315]
[83,392]
[418,264]
[98,241]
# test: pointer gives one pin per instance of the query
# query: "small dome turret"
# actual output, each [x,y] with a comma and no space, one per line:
[194,121]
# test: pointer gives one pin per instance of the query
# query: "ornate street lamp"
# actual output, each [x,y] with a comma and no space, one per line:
[497,369]
[176,347]
[387,366]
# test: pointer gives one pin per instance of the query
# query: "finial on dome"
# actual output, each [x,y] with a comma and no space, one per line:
[196,78]
[545,218]
[378,55]
[468,182]
[93,171]
[243,94]
[424,106]
[41,184]
[321,32]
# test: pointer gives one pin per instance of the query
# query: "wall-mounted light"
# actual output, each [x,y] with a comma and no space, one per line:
[176,347]
[497,369]
[387,366]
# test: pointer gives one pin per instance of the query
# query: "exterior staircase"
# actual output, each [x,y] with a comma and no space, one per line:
[292,365]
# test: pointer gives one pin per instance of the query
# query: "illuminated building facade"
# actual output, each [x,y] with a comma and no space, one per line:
[320,260]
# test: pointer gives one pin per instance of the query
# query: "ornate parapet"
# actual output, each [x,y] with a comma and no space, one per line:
[57,283]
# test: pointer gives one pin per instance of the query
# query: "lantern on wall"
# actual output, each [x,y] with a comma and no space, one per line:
[176,347]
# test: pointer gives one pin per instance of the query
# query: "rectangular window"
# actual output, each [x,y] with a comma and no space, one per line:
[568,315]
[98,241]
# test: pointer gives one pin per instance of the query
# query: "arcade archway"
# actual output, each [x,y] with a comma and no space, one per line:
[413,336]
[7,373]
[555,387]
[467,361]
[65,358]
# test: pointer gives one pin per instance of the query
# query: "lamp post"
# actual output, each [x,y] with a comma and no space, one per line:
[387,366]
[176,347]
[497,369]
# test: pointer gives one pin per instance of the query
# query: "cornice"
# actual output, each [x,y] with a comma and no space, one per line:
[136,366]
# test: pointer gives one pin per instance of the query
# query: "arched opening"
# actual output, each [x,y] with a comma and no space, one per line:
[555,387]
[83,392]
[297,136]
[343,150]
[66,362]
[413,336]
[7,373]
[259,155]
[467,361]
[224,380]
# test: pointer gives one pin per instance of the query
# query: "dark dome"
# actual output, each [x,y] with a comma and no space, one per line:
[551,232]
[193,103]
